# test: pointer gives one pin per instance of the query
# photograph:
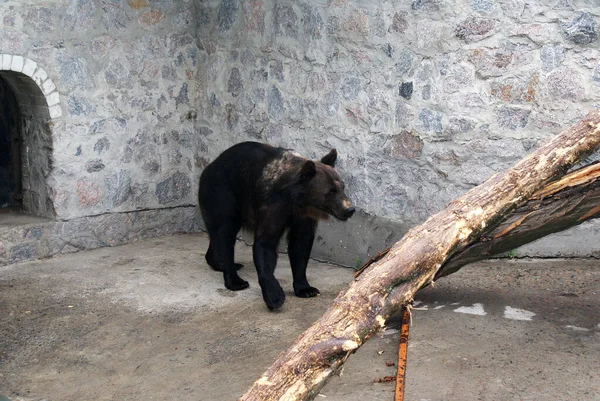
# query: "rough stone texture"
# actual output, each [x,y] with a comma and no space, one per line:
[128,72]
[43,239]
[422,99]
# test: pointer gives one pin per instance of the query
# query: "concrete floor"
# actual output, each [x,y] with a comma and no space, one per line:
[150,321]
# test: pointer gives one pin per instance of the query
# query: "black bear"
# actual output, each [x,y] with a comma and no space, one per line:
[267,190]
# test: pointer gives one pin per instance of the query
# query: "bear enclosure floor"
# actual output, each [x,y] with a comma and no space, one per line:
[151,321]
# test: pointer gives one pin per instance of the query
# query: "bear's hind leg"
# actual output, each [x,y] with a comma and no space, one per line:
[210,259]
[222,234]
[300,241]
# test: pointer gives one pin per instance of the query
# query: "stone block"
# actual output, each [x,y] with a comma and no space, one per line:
[235,84]
[286,21]
[39,76]
[117,189]
[29,67]
[93,166]
[552,56]
[566,84]
[48,87]
[431,121]
[517,89]
[406,144]
[474,29]
[6,61]
[17,63]
[173,188]
[55,111]
[53,99]
[513,118]
[581,30]
[275,107]
[227,14]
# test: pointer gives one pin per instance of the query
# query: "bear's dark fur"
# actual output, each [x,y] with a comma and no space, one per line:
[268,190]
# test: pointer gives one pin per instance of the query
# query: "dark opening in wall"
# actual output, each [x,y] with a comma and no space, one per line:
[11,190]
[25,146]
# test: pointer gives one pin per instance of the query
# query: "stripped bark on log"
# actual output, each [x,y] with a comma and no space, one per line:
[390,283]
[560,205]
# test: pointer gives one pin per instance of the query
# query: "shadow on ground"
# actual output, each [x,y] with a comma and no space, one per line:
[151,321]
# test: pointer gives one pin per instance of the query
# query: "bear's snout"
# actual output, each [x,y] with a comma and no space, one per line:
[349,212]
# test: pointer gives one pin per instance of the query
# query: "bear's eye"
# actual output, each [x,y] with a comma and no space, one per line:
[333,191]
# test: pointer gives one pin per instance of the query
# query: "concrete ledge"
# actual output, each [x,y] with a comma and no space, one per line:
[42,240]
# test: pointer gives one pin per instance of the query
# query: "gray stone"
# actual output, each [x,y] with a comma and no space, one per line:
[406,90]
[173,188]
[79,15]
[41,19]
[72,70]
[331,103]
[460,125]
[482,6]
[552,57]
[399,22]
[276,109]
[80,106]
[458,78]
[174,156]
[476,28]
[276,70]
[118,75]
[566,84]
[350,88]
[227,14]
[596,74]
[404,115]
[115,18]
[286,20]
[248,59]
[102,145]
[426,5]
[431,121]
[405,62]
[581,29]
[426,92]
[513,118]
[21,252]
[313,23]
[182,96]
[93,166]
[117,188]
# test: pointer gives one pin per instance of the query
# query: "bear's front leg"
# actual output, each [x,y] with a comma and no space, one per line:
[265,260]
[300,241]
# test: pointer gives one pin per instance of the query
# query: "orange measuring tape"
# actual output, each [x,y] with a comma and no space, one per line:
[402,352]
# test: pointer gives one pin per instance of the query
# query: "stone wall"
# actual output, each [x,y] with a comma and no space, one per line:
[423,99]
[110,108]
[127,75]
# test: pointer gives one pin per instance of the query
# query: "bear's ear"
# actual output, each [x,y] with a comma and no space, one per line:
[308,171]
[330,158]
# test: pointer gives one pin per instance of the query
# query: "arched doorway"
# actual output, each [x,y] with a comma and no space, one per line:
[28,102]
[11,189]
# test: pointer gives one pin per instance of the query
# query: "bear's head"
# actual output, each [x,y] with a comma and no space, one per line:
[323,188]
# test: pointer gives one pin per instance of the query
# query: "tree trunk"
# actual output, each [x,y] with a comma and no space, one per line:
[558,206]
[391,282]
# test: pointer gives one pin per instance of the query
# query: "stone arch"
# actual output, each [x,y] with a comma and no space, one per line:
[38,103]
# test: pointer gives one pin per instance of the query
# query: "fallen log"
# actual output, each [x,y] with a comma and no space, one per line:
[560,205]
[391,282]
